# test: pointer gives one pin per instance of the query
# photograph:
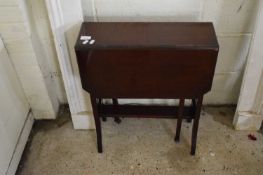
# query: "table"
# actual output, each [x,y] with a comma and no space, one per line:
[144,60]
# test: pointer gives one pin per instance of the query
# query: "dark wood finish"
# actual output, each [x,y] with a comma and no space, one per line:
[195,125]
[179,121]
[148,60]
[193,109]
[147,111]
[184,73]
[115,104]
[100,104]
[145,35]
[97,121]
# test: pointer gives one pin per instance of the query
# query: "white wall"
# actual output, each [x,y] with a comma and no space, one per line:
[30,57]
[249,114]
[49,58]
[233,20]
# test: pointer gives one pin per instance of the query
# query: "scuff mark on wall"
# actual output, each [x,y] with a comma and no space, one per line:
[241,6]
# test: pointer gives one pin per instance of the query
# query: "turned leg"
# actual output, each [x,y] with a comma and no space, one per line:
[115,104]
[97,122]
[179,120]
[195,125]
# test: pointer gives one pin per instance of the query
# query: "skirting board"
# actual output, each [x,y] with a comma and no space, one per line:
[248,121]
[83,120]
[21,143]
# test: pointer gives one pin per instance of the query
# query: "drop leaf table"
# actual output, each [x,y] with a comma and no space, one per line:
[147,60]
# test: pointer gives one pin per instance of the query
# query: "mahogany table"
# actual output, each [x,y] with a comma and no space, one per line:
[140,60]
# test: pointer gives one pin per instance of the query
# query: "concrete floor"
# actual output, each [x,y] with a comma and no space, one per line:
[143,146]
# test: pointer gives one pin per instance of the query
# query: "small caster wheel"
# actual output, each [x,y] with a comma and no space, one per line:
[189,120]
[104,119]
[117,120]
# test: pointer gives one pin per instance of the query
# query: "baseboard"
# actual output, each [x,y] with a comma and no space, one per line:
[83,120]
[247,121]
[20,145]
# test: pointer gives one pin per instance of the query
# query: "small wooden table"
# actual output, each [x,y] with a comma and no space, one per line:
[147,60]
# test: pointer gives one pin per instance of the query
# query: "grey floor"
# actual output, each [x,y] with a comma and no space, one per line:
[143,146]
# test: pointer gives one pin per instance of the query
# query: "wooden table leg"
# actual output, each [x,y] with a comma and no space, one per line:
[193,109]
[97,122]
[179,120]
[195,125]
[115,103]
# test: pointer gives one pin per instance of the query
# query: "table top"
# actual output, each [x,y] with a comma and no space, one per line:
[148,35]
